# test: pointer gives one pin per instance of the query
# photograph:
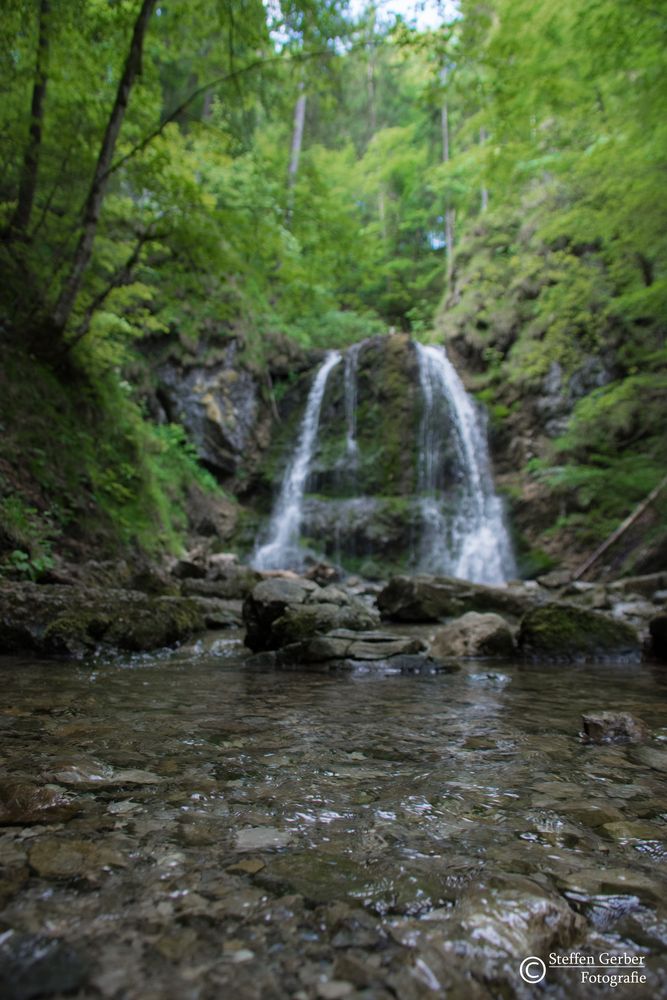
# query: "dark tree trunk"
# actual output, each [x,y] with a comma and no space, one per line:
[93,205]
[20,221]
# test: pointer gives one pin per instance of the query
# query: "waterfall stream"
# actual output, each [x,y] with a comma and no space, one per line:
[351,362]
[281,549]
[457,514]
[463,529]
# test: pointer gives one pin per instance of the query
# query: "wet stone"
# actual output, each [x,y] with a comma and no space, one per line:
[613,727]
[650,757]
[33,965]
[22,803]
[590,813]
[624,830]
[52,858]
[262,838]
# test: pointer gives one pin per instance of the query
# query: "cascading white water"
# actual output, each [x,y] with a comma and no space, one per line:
[463,530]
[350,376]
[281,550]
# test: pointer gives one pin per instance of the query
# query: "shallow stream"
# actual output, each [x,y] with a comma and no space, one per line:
[216,831]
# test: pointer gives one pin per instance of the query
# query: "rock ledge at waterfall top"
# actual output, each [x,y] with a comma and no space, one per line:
[425,598]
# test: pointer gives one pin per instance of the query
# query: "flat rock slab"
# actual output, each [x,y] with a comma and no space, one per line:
[262,838]
[346,645]
[96,774]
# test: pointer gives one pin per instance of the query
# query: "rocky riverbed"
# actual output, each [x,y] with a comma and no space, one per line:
[401,814]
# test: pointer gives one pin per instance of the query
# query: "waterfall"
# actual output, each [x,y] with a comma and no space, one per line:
[281,550]
[463,529]
[350,375]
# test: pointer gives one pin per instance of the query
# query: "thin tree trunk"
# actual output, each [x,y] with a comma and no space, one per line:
[123,276]
[484,193]
[20,221]
[620,531]
[449,210]
[93,205]
[297,142]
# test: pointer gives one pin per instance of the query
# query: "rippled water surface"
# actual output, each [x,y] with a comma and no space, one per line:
[225,831]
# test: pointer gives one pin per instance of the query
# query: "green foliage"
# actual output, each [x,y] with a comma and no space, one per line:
[28,536]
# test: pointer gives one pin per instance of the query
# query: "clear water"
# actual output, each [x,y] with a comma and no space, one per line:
[305,828]
[463,527]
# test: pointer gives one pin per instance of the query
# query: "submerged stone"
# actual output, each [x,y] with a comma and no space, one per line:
[22,802]
[53,858]
[565,632]
[34,965]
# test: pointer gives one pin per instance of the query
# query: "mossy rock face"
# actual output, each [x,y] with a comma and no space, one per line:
[360,501]
[387,419]
[560,631]
[76,621]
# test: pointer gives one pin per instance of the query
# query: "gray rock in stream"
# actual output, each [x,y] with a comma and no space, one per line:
[279,612]
[424,598]
[613,727]
[474,635]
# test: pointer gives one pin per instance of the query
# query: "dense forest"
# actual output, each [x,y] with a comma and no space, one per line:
[298,176]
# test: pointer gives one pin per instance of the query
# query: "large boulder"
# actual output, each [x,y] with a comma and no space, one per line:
[424,598]
[79,620]
[562,631]
[279,612]
[474,634]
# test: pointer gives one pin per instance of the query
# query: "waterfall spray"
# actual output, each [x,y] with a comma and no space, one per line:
[463,531]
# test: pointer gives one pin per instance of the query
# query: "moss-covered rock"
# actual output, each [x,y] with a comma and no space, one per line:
[306,620]
[72,620]
[564,632]
[279,612]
